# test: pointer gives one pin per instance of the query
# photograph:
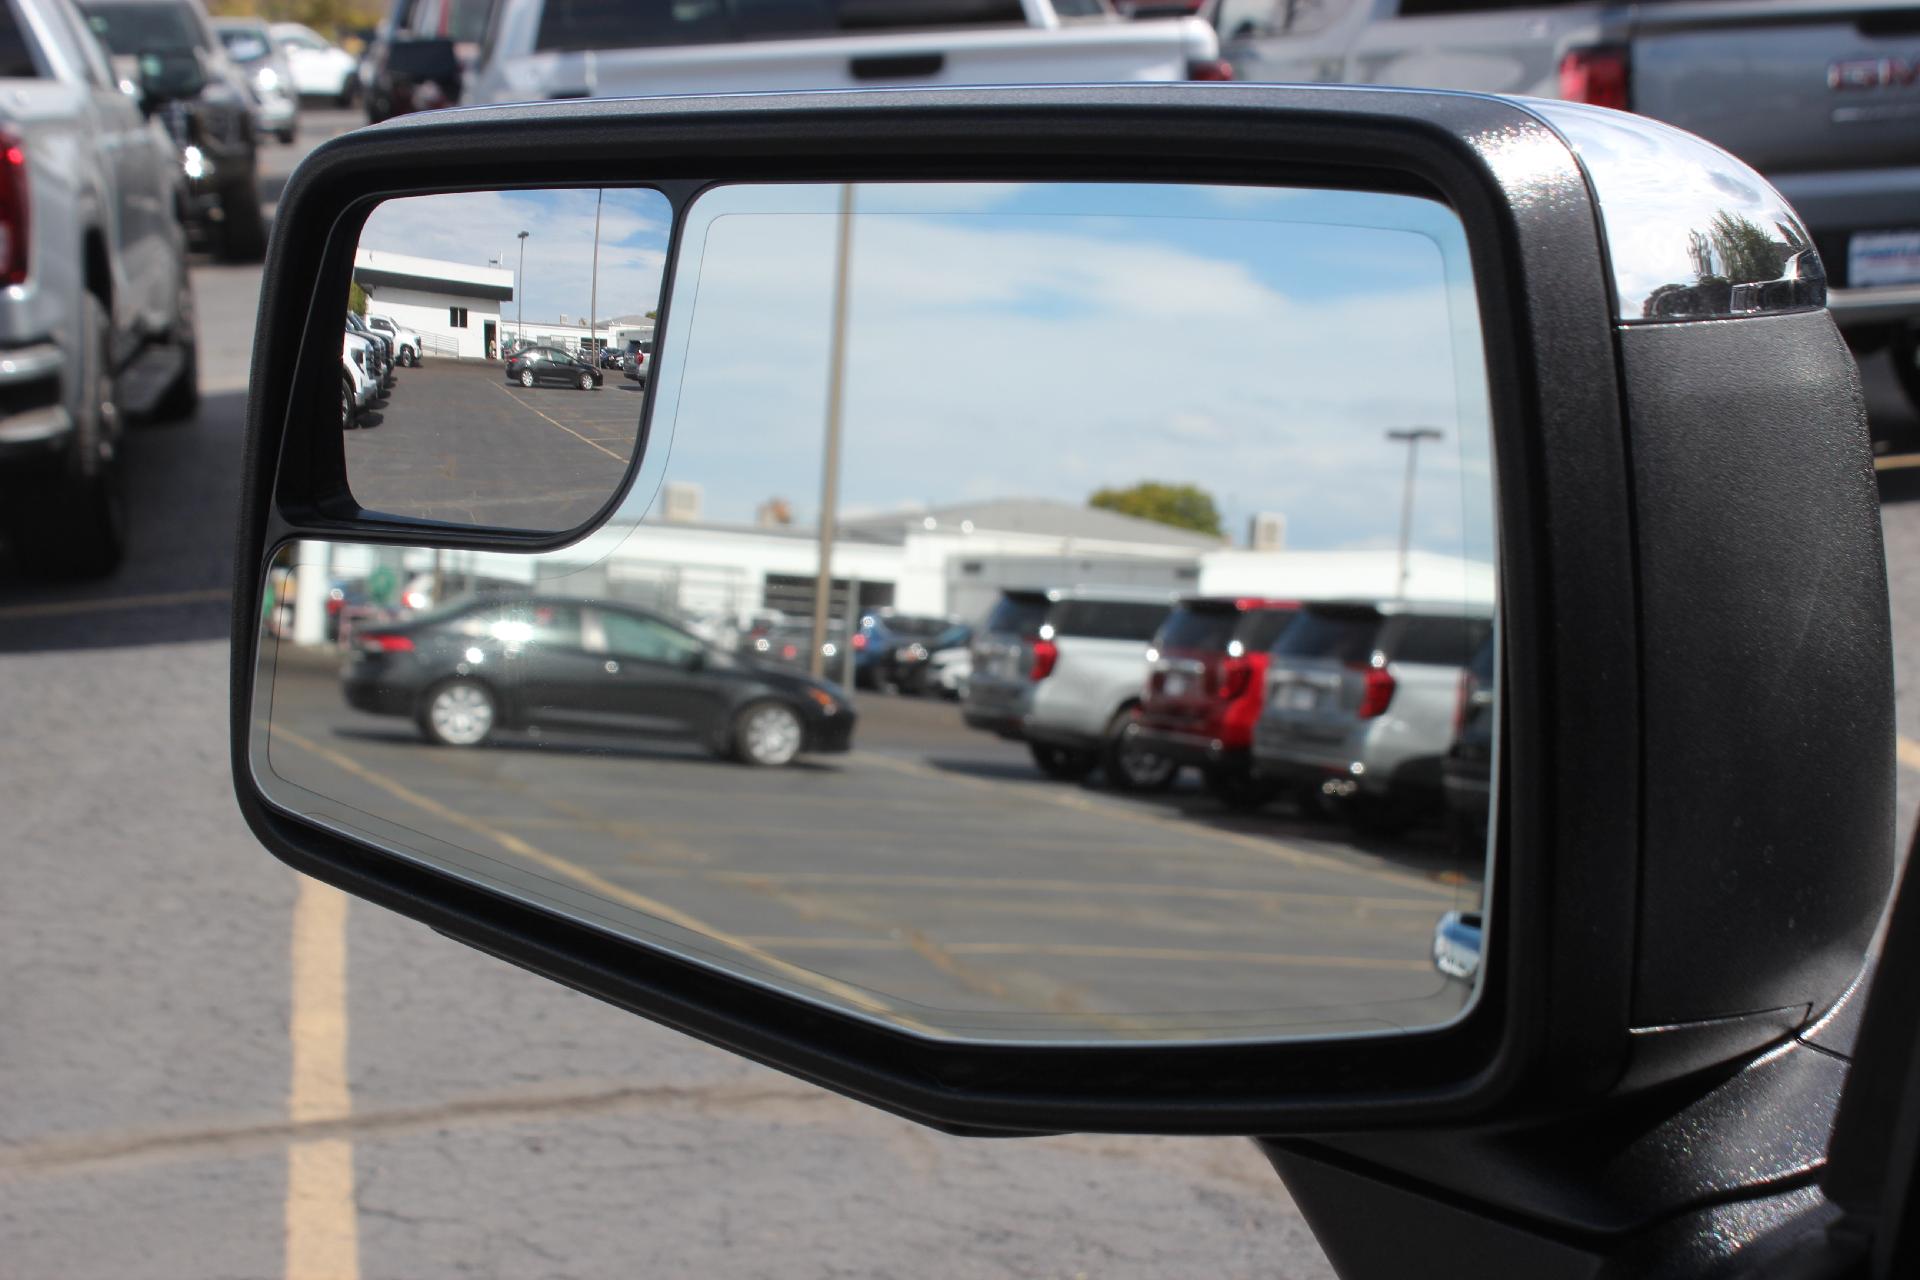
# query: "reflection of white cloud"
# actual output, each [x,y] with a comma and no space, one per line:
[999,355]
[479,226]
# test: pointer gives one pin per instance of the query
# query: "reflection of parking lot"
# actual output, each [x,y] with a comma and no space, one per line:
[455,442]
[933,865]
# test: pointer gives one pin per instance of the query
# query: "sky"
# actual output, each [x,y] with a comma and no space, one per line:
[1049,340]
[477,227]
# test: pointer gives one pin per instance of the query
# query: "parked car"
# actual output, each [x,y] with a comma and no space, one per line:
[321,69]
[638,356]
[1000,686]
[607,48]
[788,644]
[588,665]
[96,312]
[1360,700]
[165,50]
[878,643]
[359,386]
[1086,664]
[939,665]
[1821,99]
[532,365]
[405,68]
[611,359]
[1466,774]
[379,362]
[407,347]
[276,101]
[1205,687]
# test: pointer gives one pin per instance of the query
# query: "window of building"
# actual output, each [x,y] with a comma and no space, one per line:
[457,317]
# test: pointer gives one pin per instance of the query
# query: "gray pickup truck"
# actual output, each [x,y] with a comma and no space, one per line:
[96,316]
[1822,96]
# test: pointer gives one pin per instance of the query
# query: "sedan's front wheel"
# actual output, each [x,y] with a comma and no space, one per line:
[458,713]
[767,733]
[586,382]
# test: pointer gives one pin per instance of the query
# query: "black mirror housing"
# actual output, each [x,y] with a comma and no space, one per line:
[1694,832]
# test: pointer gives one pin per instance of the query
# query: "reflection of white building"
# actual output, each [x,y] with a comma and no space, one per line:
[1345,575]
[455,308]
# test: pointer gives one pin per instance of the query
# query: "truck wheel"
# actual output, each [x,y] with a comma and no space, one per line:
[1128,764]
[76,526]
[348,411]
[243,228]
[1061,763]
[183,397]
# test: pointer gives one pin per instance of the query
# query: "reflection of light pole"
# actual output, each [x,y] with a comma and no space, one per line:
[1412,436]
[520,294]
[830,466]
[593,285]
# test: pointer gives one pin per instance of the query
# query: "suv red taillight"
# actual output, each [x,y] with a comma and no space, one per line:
[1378,693]
[1234,676]
[1209,69]
[1596,75]
[1045,654]
[13,210]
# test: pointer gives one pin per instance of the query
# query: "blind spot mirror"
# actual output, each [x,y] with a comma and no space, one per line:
[1048,613]
[488,406]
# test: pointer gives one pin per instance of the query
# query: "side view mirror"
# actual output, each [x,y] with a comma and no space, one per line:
[1452,345]
[169,75]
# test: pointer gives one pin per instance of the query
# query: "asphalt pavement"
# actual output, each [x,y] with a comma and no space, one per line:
[213,1068]
[210,1067]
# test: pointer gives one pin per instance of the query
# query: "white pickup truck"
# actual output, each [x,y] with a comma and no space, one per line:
[96,308]
[537,49]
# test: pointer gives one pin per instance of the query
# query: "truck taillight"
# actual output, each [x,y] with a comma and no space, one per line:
[13,210]
[1596,75]
[1377,693]
[1045,654]
[1209,69]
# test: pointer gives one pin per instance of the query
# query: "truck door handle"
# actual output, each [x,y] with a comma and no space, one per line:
[898,66]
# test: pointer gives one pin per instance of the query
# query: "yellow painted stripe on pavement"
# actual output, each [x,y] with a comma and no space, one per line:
[1897,462]
[1097,951]
[1907,751]
[108,604]
[322,1225]
[563,426]
[599,885]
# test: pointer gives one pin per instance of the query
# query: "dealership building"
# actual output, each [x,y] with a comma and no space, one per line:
[463,312]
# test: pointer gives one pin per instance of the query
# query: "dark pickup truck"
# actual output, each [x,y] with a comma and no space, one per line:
[1822,96]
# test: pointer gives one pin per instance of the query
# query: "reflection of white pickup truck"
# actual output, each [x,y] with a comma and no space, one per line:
[96,313]
[608,48]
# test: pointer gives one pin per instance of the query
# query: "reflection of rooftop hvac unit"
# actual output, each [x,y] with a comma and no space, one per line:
[1267,531]
[679,502]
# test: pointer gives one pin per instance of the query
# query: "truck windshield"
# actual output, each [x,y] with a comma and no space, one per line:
[615,24]
[130,29]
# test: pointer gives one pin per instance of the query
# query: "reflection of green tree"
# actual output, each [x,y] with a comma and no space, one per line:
[1185,506]
[1745,249]
[356,300]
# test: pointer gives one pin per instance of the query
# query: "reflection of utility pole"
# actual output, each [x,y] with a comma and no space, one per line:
[593,287]
[1412,436]
[830,465]
[520,293]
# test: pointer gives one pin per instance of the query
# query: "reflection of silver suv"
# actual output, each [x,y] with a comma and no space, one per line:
[1087,664]
[1361,699]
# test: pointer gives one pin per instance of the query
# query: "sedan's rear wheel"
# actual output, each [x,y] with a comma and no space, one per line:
[526,377]
[459,713]
[767,733]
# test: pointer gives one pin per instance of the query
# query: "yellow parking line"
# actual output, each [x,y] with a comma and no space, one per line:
[1907,751]
[1188,831]
[106,604]
[601,886]
[1097,951]
[322,1226]
[1897,462]
[563,426]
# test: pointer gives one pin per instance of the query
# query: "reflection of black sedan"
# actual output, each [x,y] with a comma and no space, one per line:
[550,364]
[480,665]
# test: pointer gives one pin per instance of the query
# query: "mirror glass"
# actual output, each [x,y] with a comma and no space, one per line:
[493,362]
[1051,612]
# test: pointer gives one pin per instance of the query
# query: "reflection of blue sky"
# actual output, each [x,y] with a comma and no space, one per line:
[1048,340]
[475,228]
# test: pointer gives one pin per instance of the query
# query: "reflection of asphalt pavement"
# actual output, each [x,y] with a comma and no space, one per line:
[933,866]
[454,441]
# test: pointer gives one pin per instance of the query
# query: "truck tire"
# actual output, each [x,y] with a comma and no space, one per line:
[243,227]
[1128,765]
[75,526]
